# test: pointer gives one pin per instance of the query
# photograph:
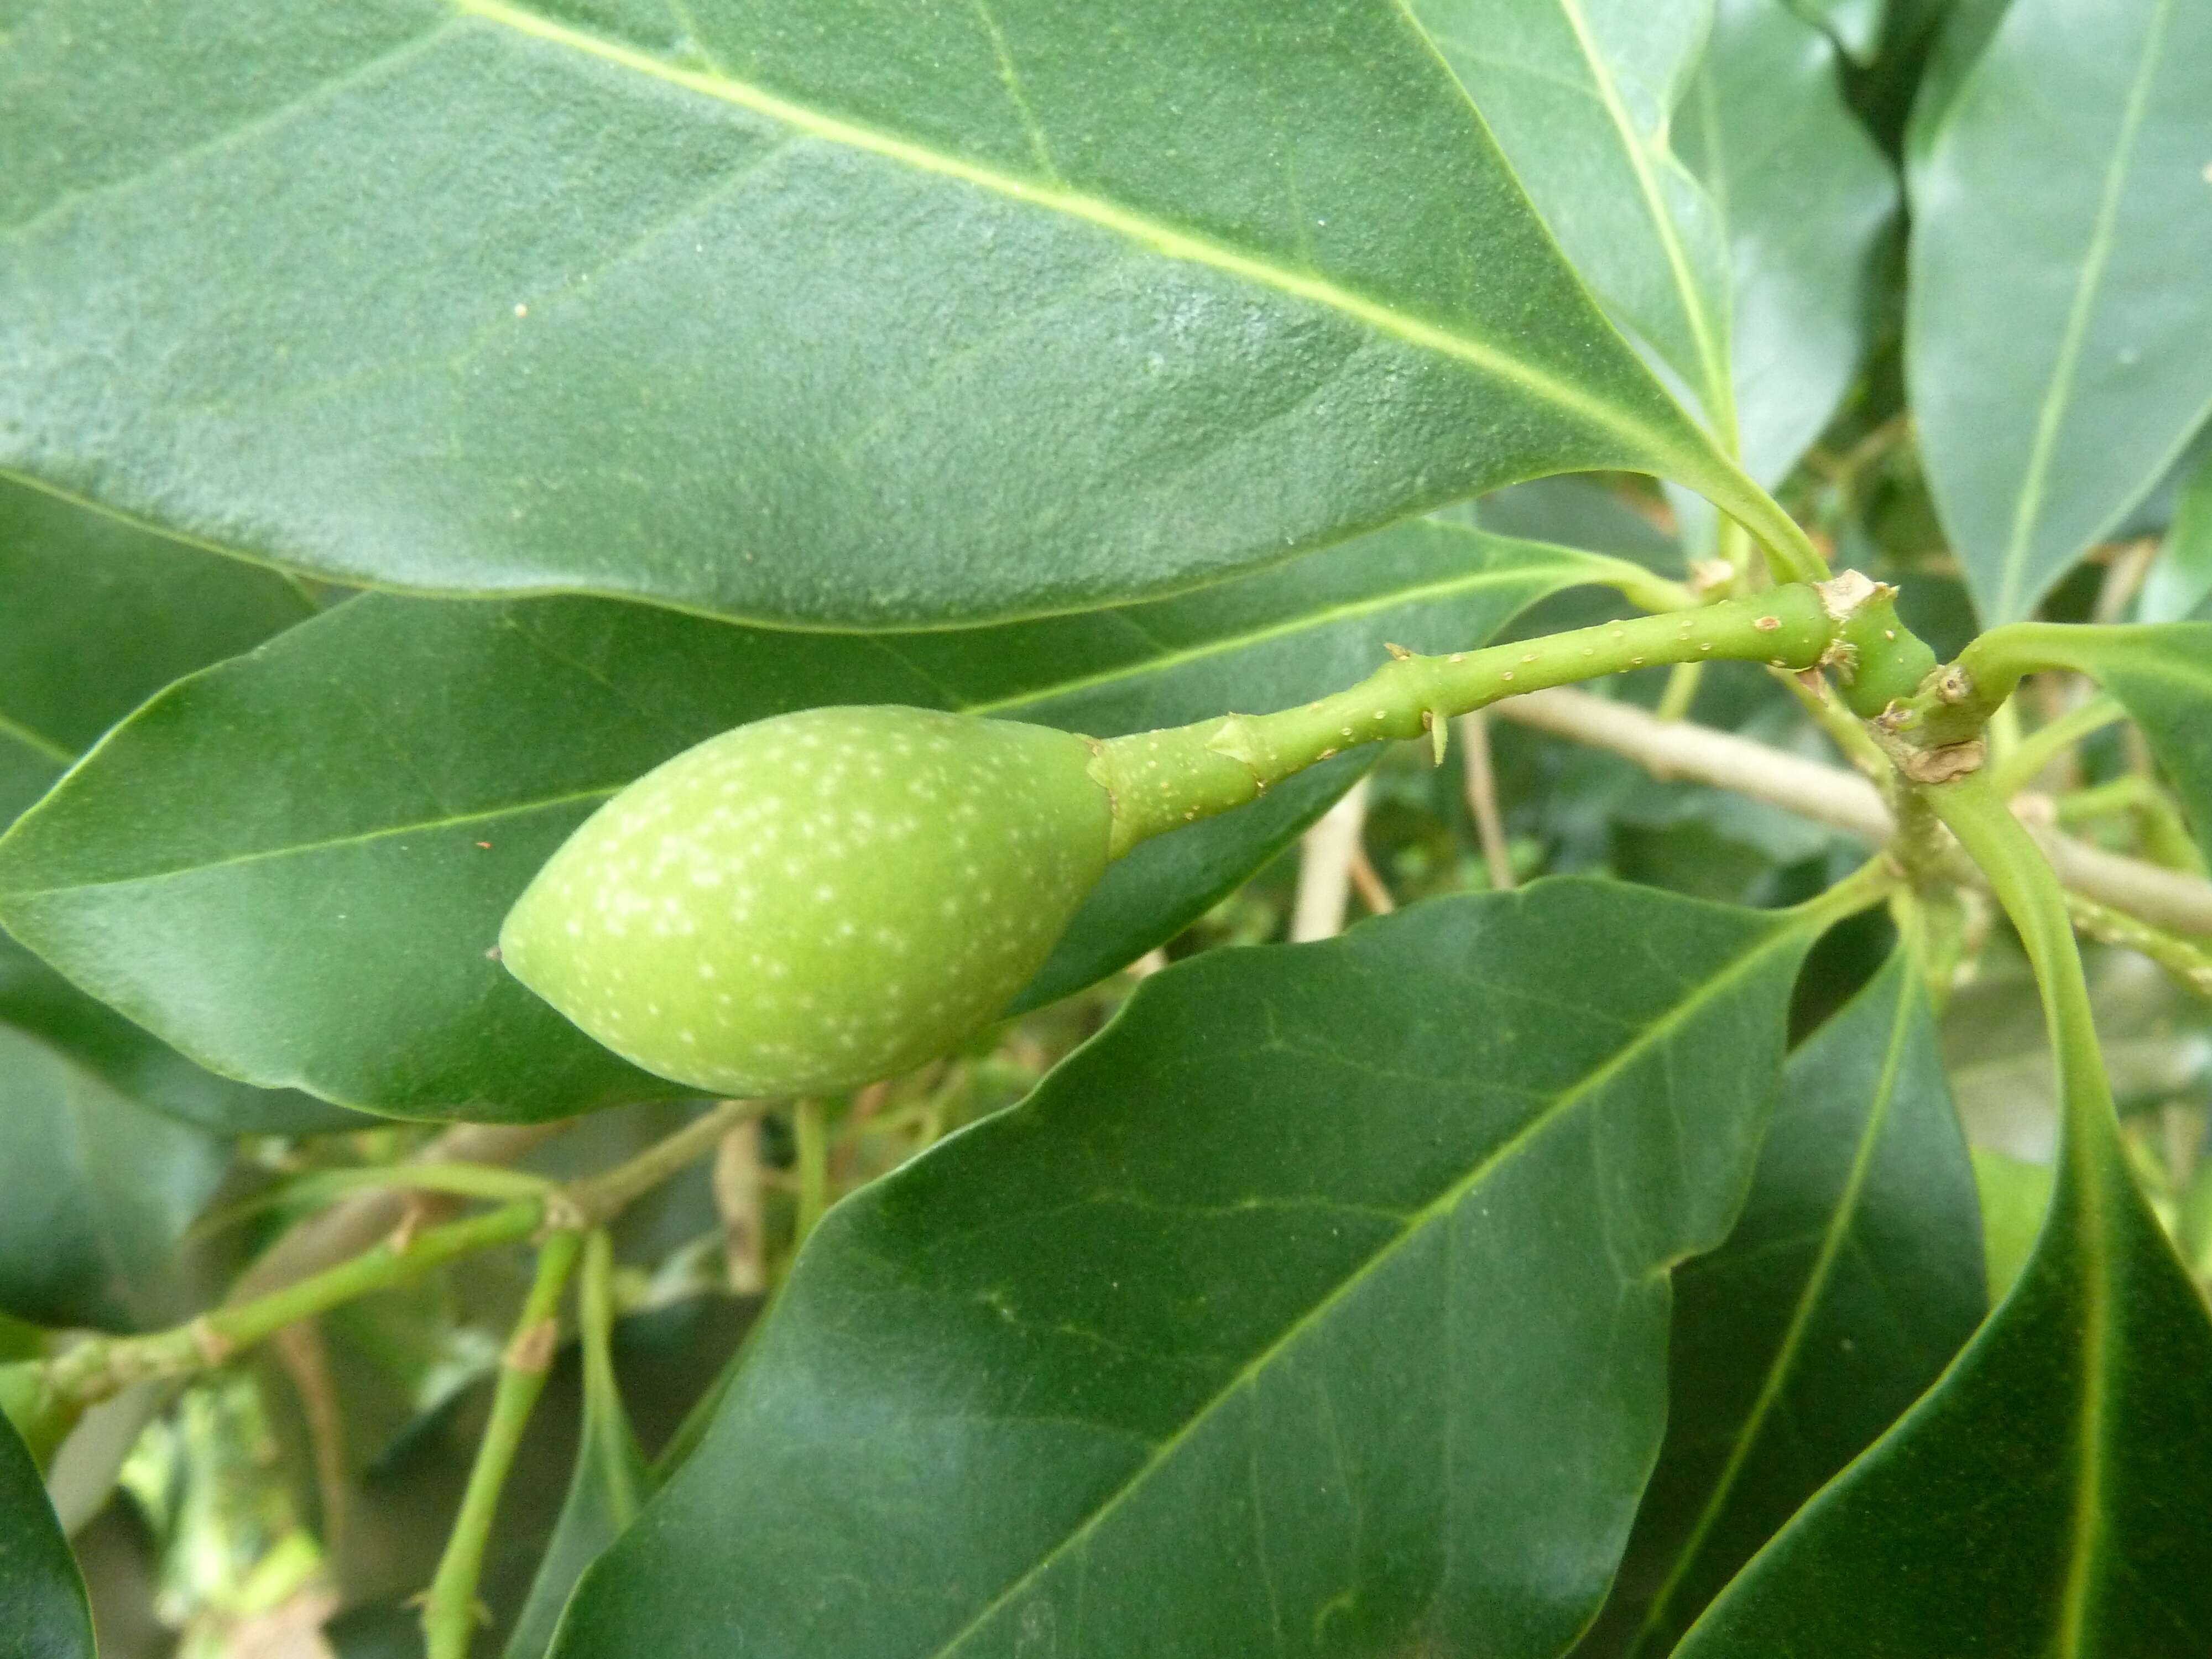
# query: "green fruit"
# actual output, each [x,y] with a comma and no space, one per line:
[815,901]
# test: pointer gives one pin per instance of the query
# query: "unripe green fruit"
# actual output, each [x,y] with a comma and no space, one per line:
[817,900]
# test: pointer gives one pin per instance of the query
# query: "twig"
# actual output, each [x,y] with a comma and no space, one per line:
[810,1130]
[1325,867]
[2130,564]
[1827,794]
[2041,747]
[349,1228]
[1682,680]
[2189,963]
[93,1370]
[602,1197]
[1367,883]
[1482,798]
[301,1350]
[449,1609]
[1843,727]
[737,1190]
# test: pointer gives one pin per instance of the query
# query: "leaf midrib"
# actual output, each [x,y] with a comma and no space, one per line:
[1786,931]
[1570,560]
[1168,241]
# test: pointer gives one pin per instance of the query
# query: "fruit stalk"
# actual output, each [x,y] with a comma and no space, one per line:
[1160,781]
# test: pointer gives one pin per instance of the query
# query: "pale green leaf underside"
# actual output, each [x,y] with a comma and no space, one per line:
[2059,348]
[1581,93]
[818,318]
[1807,200]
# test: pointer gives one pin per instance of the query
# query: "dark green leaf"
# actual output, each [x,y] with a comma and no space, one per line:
[43,1611]
[102,615]
[2046,1497]
[2059,348]
[35,998]
[1853,1276]
[1580,96]
[1807,201]
[99,617]
[876,316]
[95,1193]
[1317,1306]
[281,864]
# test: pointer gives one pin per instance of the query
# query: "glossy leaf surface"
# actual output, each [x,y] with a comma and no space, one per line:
[280,865]
[100,615]
[2046,1497]
[43,1612]
[877,316]
[128,1058]
[1806,200]
[1854,1275]
[95,1193]
[1317,1306]
[2042,1496]
[1580,93]
[2059,347]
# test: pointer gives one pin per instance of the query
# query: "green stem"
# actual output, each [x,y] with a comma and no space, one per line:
[449,1611]
[93,1370]
[2188,963]
[809,1129]
[1989,671]
[2048,741]
[484,1181]
[603,1418]
[1843,729]
[1866,886]
[1681,690]
[1790,554]
[1647,590]
[2165,836]
[1160,781]
[604,1196]
[2030,891]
